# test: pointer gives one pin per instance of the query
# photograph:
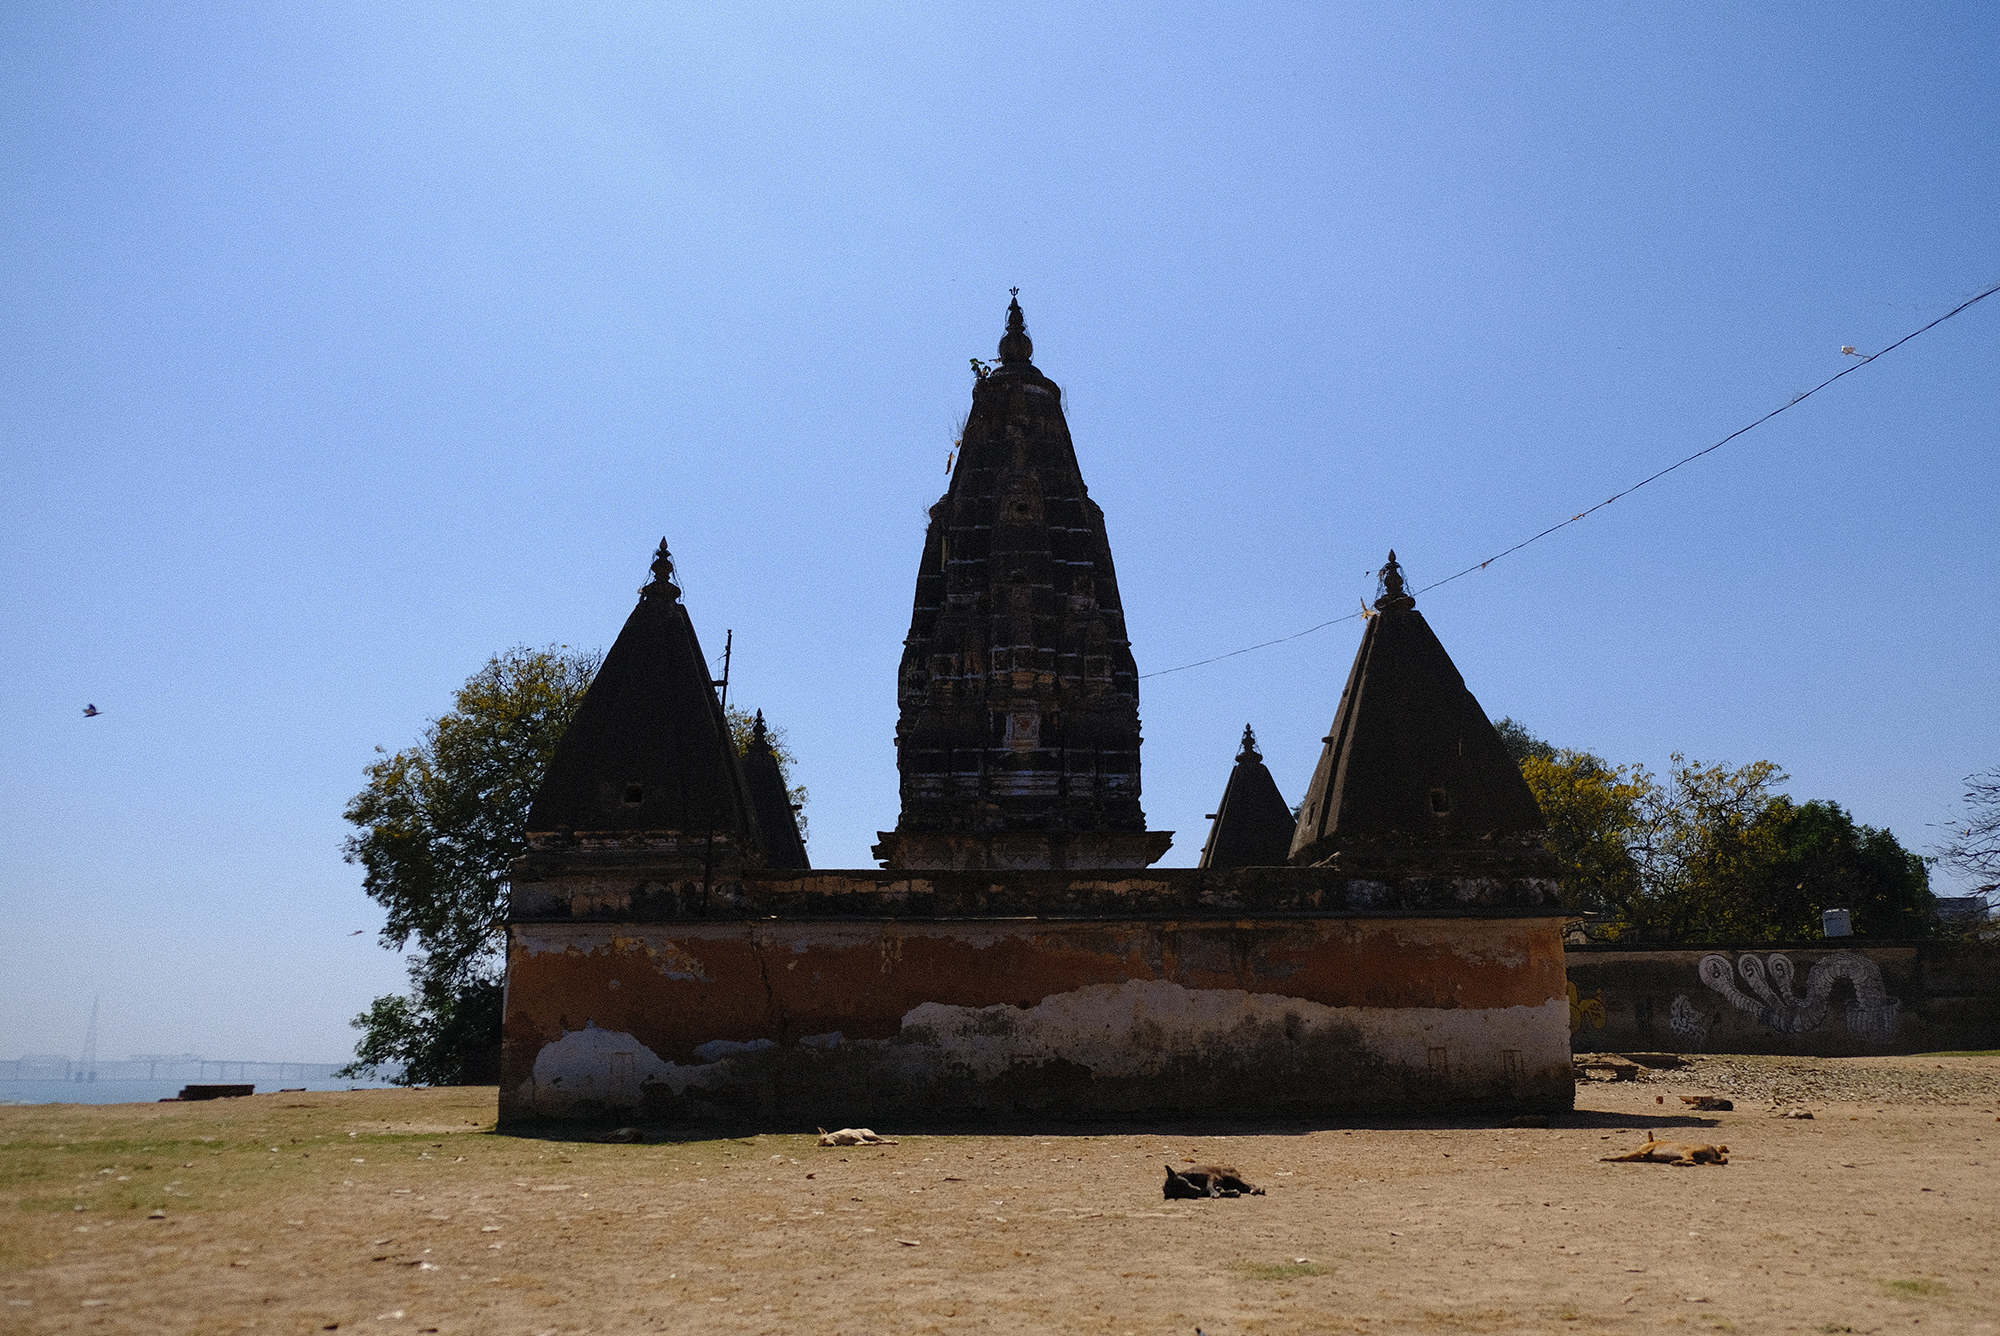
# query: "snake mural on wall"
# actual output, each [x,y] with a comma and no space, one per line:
[1764,988]
[1687,1021]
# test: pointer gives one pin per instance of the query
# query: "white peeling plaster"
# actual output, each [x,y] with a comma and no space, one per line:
[1141,1027]
[1133,1029]
[606,1066]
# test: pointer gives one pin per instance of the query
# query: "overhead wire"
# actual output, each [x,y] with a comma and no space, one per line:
[1792,403]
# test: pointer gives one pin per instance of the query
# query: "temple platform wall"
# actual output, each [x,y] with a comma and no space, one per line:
[830,998]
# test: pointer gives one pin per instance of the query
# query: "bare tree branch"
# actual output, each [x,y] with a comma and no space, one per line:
[1974,844]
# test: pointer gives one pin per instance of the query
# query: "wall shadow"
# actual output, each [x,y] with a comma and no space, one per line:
[1052,1127]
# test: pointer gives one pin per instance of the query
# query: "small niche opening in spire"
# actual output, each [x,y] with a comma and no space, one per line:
[1440,801]
[634,794]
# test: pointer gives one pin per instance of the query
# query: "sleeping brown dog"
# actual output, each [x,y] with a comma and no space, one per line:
[1682,1153]
[1207,1180]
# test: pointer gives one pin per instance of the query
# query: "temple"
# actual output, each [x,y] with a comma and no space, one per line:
[1253,826]
[1412,768]
[648,763]
[771,800]
[1018,742]
[672,957]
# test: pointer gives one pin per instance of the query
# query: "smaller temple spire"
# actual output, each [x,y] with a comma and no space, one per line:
[1411,758]
[777,820]
[1390,584]
[1254,825]
[1015,345]
[649,749]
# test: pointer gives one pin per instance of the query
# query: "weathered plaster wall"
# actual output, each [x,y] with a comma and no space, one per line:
[614,881]
[829,1021]
[1821,1000]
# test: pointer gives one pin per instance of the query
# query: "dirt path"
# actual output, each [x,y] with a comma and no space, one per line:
[398,1211]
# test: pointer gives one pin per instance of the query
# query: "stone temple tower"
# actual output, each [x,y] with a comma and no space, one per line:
[647,768]
[1412,774]
[1018,738]
[1253,823]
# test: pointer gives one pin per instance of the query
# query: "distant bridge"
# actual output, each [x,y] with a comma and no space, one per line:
[164,1067]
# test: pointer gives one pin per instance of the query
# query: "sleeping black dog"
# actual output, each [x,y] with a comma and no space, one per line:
[1207,1180]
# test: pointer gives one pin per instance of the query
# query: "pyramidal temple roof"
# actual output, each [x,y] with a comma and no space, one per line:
[776,822]
[1253,824]
[1411,758]
[649,749]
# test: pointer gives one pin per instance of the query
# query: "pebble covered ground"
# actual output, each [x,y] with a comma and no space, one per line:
[1803,1081]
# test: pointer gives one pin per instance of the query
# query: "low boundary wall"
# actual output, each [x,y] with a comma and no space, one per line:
[831,998]
[1815,999]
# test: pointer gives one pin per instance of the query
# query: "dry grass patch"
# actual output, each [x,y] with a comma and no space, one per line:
[382,1202]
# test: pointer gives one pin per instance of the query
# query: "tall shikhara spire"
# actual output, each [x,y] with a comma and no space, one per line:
[1018,740]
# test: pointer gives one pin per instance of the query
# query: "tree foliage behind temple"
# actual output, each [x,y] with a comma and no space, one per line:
[439,823]
[1593,809]
[1714,853]
[742,725]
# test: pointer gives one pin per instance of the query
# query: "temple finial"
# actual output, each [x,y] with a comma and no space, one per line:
[663,575]
[1393,594]
[1015,345]
[758,740]
[1249,752]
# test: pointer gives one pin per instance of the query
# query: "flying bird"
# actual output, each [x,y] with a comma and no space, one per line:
[91,712]
[357,932]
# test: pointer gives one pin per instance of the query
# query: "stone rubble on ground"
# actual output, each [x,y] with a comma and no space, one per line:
[1790,1080]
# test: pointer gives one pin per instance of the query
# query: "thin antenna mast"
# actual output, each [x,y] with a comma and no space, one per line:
[729,740]
[89,1064]
[728,646]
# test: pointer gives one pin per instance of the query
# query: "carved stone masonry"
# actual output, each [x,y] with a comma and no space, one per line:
[1018,738]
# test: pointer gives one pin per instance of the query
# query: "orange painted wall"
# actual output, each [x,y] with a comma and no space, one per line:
[675,987]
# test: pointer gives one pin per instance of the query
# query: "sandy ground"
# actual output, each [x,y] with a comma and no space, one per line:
[400,1211]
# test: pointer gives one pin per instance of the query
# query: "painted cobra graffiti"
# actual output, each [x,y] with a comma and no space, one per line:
[1688,1022]
[1771,999]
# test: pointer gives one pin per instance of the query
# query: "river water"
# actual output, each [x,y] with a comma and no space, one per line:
[141,1091]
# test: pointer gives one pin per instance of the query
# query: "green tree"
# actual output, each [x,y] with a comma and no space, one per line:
[447,1032]
[1715,854]
[1702,844]
[1593,810]
[1826,861]
[1726,859]
[438,825]
[1520,743]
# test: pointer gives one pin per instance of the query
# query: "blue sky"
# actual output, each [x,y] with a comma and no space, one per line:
[346,344]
